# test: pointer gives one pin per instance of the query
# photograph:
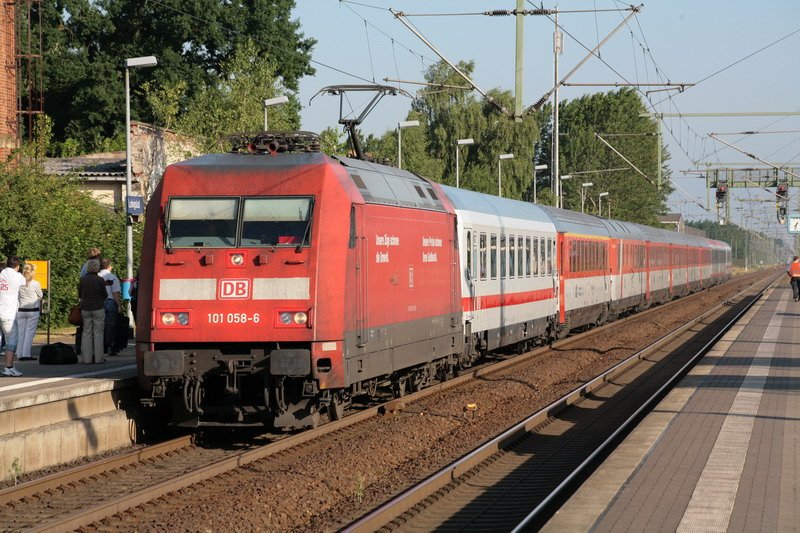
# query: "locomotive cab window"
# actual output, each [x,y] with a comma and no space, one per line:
[201,222]
[276,222]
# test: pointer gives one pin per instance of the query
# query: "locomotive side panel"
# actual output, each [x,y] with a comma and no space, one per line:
[404,308]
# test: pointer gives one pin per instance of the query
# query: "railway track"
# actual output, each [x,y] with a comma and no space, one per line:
[515,481]
[90,493]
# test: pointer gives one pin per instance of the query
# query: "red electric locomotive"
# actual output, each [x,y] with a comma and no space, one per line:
[266,279]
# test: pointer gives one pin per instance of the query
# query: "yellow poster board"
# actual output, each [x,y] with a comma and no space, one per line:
[42,272]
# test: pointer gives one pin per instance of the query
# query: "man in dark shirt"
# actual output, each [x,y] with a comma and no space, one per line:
[92,294]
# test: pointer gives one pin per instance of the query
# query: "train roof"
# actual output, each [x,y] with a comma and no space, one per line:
[466,200]
[250,162]
[578,223]
[381,184]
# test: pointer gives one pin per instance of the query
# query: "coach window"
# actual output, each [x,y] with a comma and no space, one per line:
[535,256]
[201,222]
[548,257]
[502,257]
[469,255]
[520,260]
[276,222]
[528,256]
[493,255]
[482,259]
[512,256]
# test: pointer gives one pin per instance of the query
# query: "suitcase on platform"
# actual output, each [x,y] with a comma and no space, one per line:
[57,353]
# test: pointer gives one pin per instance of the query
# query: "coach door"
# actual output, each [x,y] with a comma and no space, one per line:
[470,270]
[362,277]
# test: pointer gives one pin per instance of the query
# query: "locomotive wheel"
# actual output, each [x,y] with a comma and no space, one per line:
[399,388]
[415,382]
[336,407]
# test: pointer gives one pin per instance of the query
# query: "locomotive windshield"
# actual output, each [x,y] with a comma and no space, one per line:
[276,221]
[202,222]
[214,222]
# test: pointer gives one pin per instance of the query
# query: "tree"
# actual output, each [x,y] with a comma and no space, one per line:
[86,42]
[235,102]
[451,114]
[633,197]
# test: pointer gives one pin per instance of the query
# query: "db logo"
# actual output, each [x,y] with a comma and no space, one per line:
[234,289]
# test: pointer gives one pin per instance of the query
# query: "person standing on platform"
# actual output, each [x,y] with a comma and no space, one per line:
[794,274]
[92,294]
[30,305]
[10,282]
[94,253]
[112,304]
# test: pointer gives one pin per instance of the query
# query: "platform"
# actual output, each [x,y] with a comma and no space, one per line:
[55,414]
[721,452]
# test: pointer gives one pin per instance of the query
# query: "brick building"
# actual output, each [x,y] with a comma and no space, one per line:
[8,81]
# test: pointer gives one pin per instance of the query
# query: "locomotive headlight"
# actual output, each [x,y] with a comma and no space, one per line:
[286,318]
[168,319]
[237,259]
[183,319]
[300,318]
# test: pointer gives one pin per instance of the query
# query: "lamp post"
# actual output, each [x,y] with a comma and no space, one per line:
[400,126]
[600,203]
[535,168]
[500,172]
[584,186]
[133,62]
[461,142]
[278,100]
[560,190]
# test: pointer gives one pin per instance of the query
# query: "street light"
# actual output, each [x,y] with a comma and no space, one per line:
[600,203]
[400,126]
[461,142]
[560,190]
[278,100]
[537,167]
[584,186]
[500,172]
[132,62]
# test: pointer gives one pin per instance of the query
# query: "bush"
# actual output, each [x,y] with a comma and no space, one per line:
[48,218]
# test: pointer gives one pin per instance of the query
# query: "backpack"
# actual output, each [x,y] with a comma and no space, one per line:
[57,353]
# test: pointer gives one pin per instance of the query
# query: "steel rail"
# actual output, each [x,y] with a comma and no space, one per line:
[633,419]
[53,481]
[414,495]
[102,510]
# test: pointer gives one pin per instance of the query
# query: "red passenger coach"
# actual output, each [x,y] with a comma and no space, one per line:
[280,283]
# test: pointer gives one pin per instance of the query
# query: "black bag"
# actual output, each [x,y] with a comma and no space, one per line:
[121,332]
[57,353]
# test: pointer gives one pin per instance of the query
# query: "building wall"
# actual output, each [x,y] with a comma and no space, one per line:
[152,149]
[8,81]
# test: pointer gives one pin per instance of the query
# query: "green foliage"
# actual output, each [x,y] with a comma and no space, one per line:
[87,41]
[164,100]
[47,217]
[332,142]
[451,114]
[632,197]
[235,102]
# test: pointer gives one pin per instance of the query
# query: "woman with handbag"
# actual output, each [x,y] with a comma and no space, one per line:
[30,304]
[92,294]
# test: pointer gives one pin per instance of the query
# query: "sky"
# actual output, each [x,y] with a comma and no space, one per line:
[682,41]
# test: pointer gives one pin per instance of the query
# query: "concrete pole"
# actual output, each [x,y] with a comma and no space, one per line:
[519,62]
[399,145]
[128,179]
[457,165]
[554,165]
